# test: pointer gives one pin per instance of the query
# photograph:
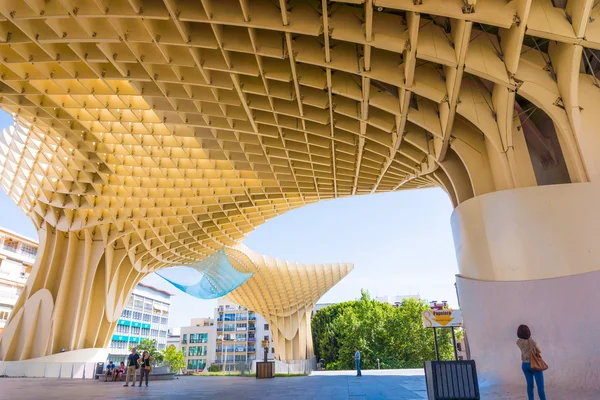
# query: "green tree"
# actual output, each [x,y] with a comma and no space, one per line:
[394,335]
[173,359]
[150,345]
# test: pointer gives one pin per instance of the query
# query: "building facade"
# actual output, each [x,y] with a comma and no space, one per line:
[235,335]
[174,338]
[198,343]
[17,255]
[240,333]
[145,316]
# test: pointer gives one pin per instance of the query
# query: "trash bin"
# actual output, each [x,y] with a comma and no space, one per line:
[99,370]
[451,380]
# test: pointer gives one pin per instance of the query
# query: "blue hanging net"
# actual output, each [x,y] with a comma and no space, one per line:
[219,277]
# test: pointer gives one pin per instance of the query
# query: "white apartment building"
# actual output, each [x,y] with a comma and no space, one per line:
[198,343]
[234,335]
[239,335]
[145,316]
[17,255]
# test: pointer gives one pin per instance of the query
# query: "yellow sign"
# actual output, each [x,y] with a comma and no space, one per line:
[442,318]
[265,343]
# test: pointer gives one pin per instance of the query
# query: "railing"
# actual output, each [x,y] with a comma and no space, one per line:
[293,367]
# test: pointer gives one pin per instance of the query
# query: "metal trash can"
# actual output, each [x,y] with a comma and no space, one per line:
[99,370]
[451,380]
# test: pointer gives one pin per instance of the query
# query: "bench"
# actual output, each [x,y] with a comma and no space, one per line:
[157,374]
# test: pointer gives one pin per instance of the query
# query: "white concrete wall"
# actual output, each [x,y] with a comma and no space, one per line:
[563,318]
[77,364]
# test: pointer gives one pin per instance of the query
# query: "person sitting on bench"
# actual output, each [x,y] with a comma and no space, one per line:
[109,371]
[120,371]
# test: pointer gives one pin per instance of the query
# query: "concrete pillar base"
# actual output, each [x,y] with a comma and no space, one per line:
[561,314]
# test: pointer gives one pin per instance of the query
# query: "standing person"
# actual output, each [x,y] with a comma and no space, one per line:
[526,345]
[357,360]
[146,365]
[132,366]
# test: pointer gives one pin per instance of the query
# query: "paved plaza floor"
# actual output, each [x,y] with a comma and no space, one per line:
[342,385]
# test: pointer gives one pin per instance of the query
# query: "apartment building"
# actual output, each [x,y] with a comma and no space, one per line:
[17,255]
[239,335]
[198,343]
[145,316]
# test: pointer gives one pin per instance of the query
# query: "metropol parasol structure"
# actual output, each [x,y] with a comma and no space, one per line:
[152,133]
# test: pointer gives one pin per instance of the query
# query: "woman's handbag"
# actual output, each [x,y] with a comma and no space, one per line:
[537,363]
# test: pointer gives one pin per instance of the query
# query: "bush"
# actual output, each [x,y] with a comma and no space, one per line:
[214,368]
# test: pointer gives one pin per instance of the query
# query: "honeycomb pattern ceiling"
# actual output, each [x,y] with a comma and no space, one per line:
[177,127]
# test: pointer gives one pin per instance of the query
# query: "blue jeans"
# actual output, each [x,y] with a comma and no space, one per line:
[539,381]
[358,373]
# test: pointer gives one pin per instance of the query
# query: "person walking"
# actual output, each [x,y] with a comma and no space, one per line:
[146,366]
[526,344]
[132,366]
[357,360]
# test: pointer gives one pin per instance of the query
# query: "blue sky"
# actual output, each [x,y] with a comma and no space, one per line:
[400,243]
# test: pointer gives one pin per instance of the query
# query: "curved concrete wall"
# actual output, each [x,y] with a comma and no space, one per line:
[529,233]
[562,314]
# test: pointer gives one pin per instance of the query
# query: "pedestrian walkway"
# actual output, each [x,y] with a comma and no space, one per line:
[326,385]
[340,385]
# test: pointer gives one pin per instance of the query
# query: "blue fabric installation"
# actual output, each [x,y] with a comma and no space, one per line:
[219,277]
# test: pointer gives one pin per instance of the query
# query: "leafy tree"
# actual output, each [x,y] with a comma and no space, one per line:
[150,345]
[394,335]
[173,359]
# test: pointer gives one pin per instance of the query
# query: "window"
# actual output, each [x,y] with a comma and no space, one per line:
[196,364]
[28,250]
[162,333]
[184,340]
[229,327]
[148,307]
[145,332]
[266,327]
[266,337]
[162,346]
[135,330]
[126,313]
[155,319]
[137,315]
[153,332]
[147,318]
[11,245]
[273,350]
[138,304]
[164,321]
[183,350]
[229,317]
